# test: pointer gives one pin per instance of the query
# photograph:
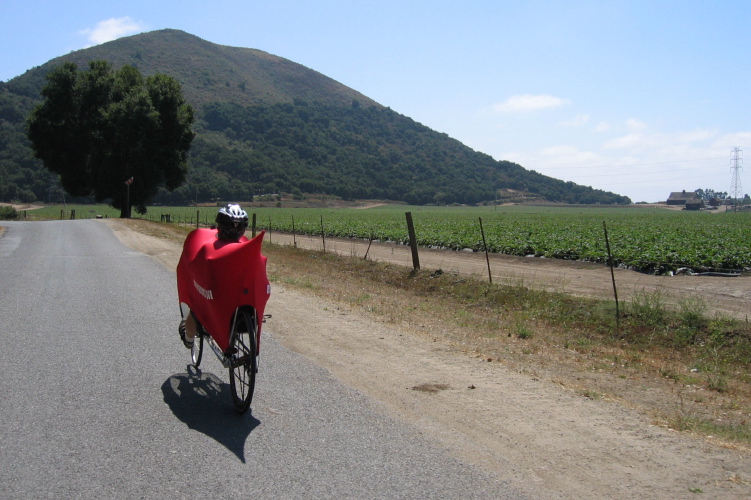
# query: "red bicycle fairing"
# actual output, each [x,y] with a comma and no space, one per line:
[215,277]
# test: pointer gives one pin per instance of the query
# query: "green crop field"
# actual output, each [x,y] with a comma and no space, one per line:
[647,239]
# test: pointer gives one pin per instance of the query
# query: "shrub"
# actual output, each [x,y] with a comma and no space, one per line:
[8,213]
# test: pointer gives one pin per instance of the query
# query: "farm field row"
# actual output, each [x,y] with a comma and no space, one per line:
[647,239]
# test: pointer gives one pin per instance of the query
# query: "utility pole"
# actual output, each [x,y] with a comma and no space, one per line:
[736,165]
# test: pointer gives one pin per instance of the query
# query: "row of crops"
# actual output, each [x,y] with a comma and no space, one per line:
[647,239]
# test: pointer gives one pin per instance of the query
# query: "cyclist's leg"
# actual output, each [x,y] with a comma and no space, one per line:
[196,351]
[187,329]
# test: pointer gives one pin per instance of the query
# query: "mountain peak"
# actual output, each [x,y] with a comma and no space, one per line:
[210,72]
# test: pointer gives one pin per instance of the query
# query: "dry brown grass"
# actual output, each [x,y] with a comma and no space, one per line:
[566,340]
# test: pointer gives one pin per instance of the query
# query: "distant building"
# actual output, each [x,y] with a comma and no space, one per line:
[690,201]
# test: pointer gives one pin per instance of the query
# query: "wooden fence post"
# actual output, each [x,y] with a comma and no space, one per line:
[485,246]
[323,236]
[294,237]
[612,276]
[365,257]
[413,242]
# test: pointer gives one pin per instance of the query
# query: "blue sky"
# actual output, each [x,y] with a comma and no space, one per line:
[636,97]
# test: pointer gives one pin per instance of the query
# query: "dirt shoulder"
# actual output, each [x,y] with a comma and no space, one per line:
[548,440]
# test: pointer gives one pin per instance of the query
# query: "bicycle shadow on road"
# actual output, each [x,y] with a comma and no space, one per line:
[204,403]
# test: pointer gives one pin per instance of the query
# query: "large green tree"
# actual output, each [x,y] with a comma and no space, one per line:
[98,128]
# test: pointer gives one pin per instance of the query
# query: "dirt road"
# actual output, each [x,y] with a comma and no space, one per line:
[552,442]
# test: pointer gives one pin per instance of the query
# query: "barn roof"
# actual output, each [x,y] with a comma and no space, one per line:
[684,196]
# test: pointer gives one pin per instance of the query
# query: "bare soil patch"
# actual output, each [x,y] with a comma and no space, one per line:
[21,206]
[519,416]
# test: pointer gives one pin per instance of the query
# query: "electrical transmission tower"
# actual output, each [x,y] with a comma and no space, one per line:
[736,165]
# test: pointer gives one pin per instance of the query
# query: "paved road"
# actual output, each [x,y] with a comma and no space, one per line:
[96,400]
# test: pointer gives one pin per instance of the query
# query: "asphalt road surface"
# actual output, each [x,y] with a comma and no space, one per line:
[96,400]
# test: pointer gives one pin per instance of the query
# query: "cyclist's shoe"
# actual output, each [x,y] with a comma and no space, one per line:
[186,341]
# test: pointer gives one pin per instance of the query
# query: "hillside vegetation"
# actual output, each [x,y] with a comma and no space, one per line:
[268,125]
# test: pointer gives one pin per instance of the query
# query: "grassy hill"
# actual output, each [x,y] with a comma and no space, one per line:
[268,125]
[207,72]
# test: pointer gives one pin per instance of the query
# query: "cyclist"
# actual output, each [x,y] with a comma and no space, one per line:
[231,223]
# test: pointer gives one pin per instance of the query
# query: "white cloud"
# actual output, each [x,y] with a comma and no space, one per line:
[111,29]
[568,155]
[635,125]
[645,167]
[672,143]
[528,102]
[730,141]
[602,127]
[577,121]
[694,136]
[626,141]
[632,140]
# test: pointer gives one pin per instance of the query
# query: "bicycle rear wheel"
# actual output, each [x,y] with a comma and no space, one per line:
[243,363]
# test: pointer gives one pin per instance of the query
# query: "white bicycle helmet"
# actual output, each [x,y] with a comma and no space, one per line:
[231,221]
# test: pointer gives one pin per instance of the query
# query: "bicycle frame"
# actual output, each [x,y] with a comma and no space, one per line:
[223,357]
[215,278]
